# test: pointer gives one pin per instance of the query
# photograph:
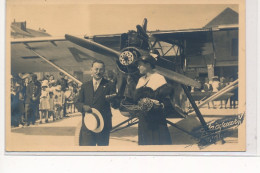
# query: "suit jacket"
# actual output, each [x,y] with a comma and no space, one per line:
[97,99]
[33,89]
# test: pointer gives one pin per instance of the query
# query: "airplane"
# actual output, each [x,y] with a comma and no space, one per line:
[65,54]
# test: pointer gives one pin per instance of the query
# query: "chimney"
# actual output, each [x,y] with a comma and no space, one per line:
[23,26]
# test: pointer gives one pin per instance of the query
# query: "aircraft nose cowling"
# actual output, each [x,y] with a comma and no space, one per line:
[127,58]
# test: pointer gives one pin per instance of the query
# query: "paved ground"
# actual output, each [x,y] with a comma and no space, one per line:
[61,133]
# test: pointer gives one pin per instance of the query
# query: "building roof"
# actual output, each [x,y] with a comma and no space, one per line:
[19,30]
[226,17]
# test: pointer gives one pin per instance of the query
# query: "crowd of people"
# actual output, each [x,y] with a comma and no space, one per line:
[42,100]
[215,85]
[50,99]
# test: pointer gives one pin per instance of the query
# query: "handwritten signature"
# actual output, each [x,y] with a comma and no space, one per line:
[218,130]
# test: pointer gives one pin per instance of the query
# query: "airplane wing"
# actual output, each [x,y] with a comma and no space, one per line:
[26,55]
[190,34]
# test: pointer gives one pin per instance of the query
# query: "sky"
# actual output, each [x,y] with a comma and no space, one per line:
[86,19]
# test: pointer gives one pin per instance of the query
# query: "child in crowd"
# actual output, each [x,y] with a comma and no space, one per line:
[223,84]
[58,102]
[51,80]
[215,87]
[68,95]
[207,87]
[51,101]
[44,102]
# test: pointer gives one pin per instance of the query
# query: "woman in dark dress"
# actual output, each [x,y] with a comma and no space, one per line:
[152,126]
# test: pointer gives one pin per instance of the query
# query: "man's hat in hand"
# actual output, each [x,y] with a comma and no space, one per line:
[94,121]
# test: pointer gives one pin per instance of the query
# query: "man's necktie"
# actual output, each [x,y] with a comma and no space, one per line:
[95,86]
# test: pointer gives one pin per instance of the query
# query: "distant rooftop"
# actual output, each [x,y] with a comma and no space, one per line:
[20,30]
[226,17]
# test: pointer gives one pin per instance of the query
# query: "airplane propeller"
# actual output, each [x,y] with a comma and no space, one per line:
[91,45]
[142,31]
[145,25]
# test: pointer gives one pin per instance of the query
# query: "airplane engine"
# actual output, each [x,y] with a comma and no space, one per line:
[127,61]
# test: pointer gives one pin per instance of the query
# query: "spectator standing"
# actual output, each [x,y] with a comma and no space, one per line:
[58,102]
[215,87]
[198,89]
[69,97]
[63,82]
[51,102]
[33,93]
[223,84]
[51,81]
[44,102]
[215,84]
[17,101]
[234,98]
[207,87]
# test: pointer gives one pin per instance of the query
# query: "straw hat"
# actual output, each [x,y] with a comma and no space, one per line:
[94,121]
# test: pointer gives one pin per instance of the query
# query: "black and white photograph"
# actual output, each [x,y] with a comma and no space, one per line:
[125,77]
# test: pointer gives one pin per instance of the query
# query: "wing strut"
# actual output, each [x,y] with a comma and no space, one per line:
[55,66]
[196,109]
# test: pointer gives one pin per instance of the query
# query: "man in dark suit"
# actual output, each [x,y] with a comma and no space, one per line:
[32,100]
[93,95]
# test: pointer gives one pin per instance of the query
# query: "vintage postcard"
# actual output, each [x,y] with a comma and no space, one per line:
[138,76]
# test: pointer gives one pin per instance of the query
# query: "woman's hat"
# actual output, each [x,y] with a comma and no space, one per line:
[94,121]
[149,59]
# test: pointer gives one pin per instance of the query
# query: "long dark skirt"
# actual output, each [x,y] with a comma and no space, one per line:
[153,130]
